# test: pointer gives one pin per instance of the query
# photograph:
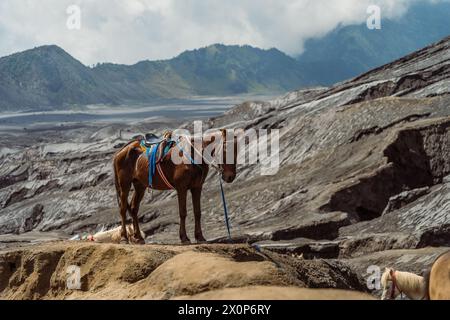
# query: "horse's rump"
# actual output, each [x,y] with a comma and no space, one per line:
[439,278]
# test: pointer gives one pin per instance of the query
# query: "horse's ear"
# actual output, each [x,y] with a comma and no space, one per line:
[391,272]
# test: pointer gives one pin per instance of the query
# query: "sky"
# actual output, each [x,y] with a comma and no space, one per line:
[128,31]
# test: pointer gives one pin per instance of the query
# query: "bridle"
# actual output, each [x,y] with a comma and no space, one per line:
[216,166]
[394,285]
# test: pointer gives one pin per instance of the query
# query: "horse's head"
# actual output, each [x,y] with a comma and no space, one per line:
[388,283]
[229,161]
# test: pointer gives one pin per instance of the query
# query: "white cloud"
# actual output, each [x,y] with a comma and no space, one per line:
[129,31]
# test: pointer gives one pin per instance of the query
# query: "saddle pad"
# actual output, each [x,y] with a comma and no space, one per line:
[154,159]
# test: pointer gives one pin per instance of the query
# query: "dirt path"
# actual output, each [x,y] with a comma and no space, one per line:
[167,272]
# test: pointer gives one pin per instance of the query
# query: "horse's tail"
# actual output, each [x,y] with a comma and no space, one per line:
[116,180]
[117,186]
[116,183]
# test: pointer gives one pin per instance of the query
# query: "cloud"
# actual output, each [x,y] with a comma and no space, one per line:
[129,31]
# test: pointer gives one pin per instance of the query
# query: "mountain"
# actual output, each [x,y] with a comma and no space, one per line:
[214,70]
[234,69]
[49,77]
[351,50]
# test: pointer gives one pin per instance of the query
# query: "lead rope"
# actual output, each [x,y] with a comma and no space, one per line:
[225,209]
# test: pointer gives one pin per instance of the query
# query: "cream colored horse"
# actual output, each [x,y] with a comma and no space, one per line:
[396,283]
[439,284]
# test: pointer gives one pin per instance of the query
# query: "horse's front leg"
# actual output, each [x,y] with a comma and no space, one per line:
[139,192]
[196,201]
[182,194]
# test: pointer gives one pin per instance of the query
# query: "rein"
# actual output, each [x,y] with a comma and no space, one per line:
[411,295]
[210,163]
[394,285]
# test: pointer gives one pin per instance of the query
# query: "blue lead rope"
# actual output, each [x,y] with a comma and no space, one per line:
[225,210]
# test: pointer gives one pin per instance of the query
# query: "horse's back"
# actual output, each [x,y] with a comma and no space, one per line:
[127,154]
[439,282]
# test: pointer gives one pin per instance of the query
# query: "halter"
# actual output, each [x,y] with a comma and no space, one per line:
[212,163]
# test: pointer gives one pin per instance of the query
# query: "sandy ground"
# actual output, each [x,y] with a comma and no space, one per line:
[279,293]
[110,271]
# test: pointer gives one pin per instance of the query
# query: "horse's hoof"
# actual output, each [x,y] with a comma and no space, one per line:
[201,240]
[186,241]
[138,241]
[124,240]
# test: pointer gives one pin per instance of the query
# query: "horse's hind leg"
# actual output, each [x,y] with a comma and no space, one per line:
[139,192]
[196,200]
[182,194]
[124,191]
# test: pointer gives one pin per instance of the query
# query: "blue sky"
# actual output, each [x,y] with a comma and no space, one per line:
[127,31]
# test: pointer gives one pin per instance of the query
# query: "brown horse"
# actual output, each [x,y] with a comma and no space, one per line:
[131,168]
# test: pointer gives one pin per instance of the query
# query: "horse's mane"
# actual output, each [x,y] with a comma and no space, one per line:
[409,280]
[385,277]
[406,280]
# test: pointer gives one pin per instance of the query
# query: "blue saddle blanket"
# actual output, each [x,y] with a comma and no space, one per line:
[152,156]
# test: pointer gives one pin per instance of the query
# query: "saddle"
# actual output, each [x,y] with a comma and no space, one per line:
[155,149]
[149,139]
[152,139]
[151,143]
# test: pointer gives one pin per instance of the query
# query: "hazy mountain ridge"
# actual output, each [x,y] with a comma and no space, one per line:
[349,51]
[48,76]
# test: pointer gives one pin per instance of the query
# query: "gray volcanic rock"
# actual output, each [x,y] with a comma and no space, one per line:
[302,247]
[402,199]
[422,223]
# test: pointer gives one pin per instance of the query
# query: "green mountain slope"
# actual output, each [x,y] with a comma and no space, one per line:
[238,69]
[49,77]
